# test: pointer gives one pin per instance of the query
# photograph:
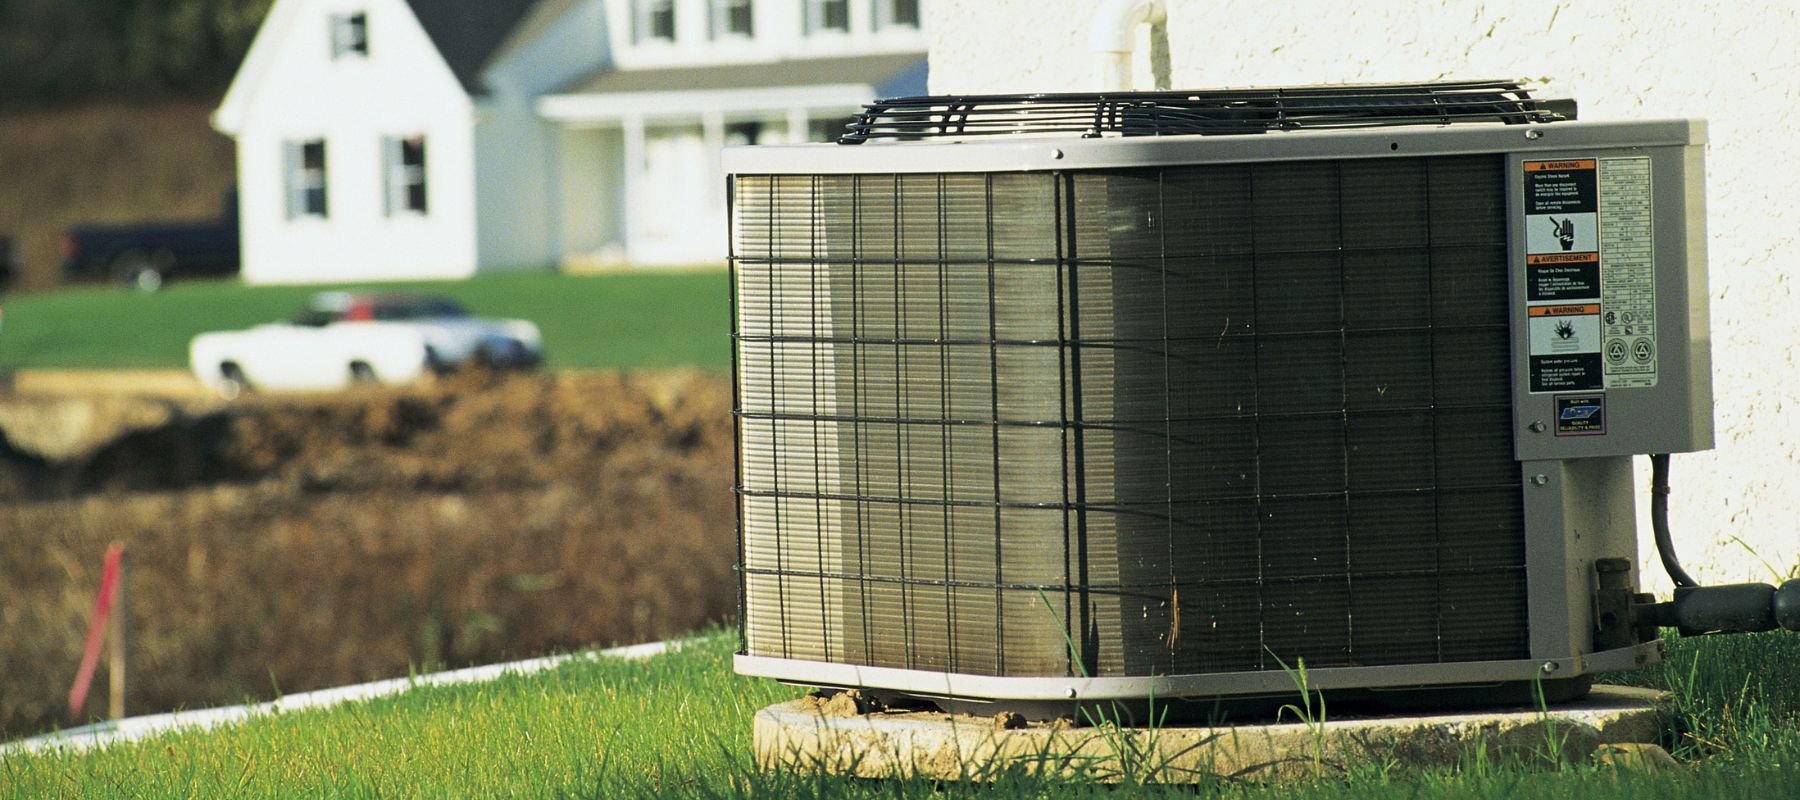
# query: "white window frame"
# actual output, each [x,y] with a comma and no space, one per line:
[350,35]
[643,21]
[886,11]
[747,132]
[307,192]
[407,185]
[828,129]
[816,16]
[721,17]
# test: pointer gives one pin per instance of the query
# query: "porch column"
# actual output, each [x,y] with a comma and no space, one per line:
[712,140]
[798,122]
[634,185]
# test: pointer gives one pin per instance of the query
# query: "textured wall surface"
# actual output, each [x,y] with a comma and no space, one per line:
[1734,64]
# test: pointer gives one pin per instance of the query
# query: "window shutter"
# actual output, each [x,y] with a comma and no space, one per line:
[393,181]
[293,170]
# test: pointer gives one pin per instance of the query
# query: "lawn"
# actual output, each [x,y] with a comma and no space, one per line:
[679,725]
[616,320]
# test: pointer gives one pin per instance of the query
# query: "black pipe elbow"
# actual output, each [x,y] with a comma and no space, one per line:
[1787,605]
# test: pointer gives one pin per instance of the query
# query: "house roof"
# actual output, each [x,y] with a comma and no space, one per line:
[877,71]
[543,14]
[468,32]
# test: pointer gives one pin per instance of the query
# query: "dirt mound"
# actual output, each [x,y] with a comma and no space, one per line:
[303,542]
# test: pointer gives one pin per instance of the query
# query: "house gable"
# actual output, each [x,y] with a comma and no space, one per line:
[258,60]
[293,76]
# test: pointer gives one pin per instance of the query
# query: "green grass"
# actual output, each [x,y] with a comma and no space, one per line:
[617,320]
[679,725]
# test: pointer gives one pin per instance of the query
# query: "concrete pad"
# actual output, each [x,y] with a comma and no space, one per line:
[798,736]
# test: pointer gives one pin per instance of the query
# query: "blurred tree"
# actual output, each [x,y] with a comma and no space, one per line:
[54,51]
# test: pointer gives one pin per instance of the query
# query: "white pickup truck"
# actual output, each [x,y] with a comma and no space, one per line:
[342,338]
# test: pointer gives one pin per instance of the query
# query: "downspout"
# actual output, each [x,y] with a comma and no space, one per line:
[1113,35]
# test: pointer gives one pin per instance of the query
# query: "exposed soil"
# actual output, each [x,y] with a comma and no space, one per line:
[294,542]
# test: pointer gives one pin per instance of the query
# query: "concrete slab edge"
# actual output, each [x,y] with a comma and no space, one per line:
[795,737]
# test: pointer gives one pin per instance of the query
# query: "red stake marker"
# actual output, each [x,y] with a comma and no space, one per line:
[90,656]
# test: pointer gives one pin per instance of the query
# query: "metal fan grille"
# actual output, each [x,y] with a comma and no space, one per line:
[1210,111]
[1128,422]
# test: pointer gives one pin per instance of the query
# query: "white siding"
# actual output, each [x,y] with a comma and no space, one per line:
[515,186]
[590,207]
[1734,64]
[401,88]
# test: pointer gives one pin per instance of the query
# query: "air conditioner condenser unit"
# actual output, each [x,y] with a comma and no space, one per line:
[1067,399]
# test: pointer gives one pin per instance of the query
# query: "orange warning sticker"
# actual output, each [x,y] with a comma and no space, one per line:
[1565,311]
[1562,258]
[1559,166]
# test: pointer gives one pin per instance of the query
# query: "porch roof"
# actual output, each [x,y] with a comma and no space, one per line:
[830,85]
[890,73]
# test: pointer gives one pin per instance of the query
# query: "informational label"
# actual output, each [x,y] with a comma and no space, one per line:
[1628,293]
[1563,275]
[1581,415]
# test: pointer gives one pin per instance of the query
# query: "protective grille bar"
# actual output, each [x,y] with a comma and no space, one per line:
[1211,111]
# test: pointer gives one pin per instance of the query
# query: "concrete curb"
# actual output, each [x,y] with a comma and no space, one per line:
[103,734]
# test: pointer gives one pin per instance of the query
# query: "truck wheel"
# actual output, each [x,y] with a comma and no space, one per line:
[232,381]
[361,373]
[148,279]
[136,269]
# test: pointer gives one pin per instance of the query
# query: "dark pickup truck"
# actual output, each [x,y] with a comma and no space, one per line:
[144,256]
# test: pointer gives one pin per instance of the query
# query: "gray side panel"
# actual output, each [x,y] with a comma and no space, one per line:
[1581,510]
[1674,414]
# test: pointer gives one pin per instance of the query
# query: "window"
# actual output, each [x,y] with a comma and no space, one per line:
[417,307]
[897,13]
[349,35]
[827,15]
[305,178]
[655,20]
[828,130]
[403,159]
[732,18]
[742,133]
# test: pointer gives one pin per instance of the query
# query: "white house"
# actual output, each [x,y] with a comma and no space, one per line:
[397,139]
[1734,64]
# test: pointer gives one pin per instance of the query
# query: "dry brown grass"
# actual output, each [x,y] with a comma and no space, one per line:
[105,163]
[304,543]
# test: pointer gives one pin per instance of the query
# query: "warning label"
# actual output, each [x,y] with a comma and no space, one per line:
[1590,277]
[1563,275]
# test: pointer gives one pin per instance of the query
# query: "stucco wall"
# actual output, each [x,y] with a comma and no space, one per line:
[1734,64]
